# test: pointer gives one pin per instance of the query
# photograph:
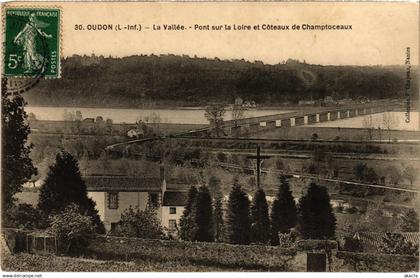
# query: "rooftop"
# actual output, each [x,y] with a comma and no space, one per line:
[175,198]
[122,183]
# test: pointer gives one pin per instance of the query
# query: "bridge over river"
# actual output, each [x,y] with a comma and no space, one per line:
[303,117]
[286,120]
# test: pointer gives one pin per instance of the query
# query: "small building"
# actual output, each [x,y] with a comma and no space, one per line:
[172,208]
[114,194]
[345,101]
[135,133]
[328,100]
[238,101]
[306,102]
[89,120]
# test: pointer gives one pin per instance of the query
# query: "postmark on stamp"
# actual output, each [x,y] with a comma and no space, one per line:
[31,45]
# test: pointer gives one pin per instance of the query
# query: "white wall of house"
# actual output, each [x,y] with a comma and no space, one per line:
[99,199]
[166,215]
[125,200]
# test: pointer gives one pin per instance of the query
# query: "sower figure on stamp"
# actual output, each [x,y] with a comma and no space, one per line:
[32,60]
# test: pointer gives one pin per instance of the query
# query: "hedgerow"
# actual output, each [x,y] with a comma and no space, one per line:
[257,257]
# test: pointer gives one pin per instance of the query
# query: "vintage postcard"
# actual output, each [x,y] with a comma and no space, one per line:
[210,137]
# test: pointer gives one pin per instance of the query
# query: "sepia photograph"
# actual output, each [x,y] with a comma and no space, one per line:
[210,137]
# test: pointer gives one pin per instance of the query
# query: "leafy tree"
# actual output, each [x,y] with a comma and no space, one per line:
[17,167]
[371,175]
[393,174]
[63,186]
[25,216]
[359,171]
[215,113]
[72,228]
[203,216]
[140,223]
[218,217]
[410,221]
[186,223]
[260,222]
[410,173]
[238,220]
[316,219]
[283,212]
[389,121]
[237,114]
[397,244]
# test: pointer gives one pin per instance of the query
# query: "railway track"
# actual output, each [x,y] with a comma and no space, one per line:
[298,175]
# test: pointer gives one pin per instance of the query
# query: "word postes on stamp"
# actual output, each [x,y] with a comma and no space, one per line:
[31,44]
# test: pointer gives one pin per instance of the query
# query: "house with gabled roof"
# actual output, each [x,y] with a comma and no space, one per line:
[113,194]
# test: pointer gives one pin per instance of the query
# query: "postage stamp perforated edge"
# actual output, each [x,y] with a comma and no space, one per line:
[12,5]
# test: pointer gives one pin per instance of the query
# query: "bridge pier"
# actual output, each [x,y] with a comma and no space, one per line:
[344,114]
[287,122]
[335,115]
[323,117]
[352,113]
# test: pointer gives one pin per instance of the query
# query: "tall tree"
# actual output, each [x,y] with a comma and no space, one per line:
[63,186]
[238,220]
[316,219]
[283,212]
[218,217]
[260,222]
[17,167]
[186,223]
[203,216]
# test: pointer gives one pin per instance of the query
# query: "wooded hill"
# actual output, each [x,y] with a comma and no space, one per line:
[169,80]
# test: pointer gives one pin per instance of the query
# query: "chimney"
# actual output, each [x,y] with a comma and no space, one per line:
[162,178]
[162,172]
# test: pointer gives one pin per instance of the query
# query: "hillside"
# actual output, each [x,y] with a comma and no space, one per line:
[169,80]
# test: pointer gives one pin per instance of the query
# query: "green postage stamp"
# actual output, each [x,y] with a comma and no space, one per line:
[32,42]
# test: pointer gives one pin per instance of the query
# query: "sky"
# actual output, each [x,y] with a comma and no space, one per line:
[380,33]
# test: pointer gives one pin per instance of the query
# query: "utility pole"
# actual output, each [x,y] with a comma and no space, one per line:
[259,158]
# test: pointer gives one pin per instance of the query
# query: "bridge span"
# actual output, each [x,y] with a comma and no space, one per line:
[285,120]
[305,117]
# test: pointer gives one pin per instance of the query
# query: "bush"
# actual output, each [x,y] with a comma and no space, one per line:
[397,244]
[72,229]
[141,224]
[25,216]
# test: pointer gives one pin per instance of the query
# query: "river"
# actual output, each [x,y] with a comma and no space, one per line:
[176,116]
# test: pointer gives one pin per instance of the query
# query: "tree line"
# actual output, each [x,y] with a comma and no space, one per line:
[241,221]
[146,81]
